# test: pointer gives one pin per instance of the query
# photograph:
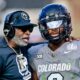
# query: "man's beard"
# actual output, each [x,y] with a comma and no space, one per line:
[19,41]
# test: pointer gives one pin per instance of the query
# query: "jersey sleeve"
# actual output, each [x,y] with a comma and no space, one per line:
[32,54]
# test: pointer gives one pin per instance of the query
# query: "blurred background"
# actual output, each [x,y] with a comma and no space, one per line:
[33,7]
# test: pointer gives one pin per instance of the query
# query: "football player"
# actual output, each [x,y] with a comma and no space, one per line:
[59,59]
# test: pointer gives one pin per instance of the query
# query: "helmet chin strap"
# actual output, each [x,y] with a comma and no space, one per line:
[19,41]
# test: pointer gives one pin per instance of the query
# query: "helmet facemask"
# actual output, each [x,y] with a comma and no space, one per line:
[52,22]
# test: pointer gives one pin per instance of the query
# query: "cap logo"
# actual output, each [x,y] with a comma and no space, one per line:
[24,16]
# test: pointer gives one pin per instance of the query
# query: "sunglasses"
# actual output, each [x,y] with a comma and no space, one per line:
[25,28]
